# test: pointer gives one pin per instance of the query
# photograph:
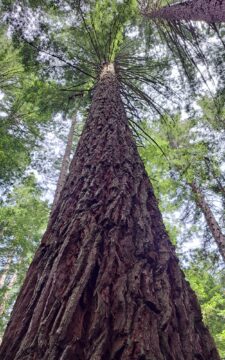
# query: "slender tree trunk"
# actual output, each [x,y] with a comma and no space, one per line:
[5,272]
[3,276]
[210,11]
[6,295]
[6,289]
[105,282]
[65,164]
[210,219]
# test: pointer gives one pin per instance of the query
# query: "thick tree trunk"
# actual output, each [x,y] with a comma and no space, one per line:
[105,282]
[65,164]
[210,11]
[210,219]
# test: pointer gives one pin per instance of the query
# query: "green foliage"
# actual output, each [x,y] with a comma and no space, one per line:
[10,76]
[214,110]
[80,38]
[11,69]
[189,155]
[108,20]
[23,218]
[28,103]
[209,285]
[157,159]
[188,151]
[14,155]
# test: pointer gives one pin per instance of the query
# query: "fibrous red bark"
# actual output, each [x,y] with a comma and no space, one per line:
[105,282]
[210,11]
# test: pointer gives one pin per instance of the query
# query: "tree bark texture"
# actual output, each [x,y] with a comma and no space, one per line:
[65,164]
[210,219]
[210,11]
[105,282]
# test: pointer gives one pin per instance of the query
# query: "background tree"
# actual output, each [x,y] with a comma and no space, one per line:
[192,149]
[208,10]
[64,170]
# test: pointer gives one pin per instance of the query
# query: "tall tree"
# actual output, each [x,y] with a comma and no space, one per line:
[105,281]
[209,11]
[212,223]
[192,164]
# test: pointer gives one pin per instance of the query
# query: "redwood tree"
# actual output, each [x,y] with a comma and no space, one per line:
[210,11]
[105,282]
